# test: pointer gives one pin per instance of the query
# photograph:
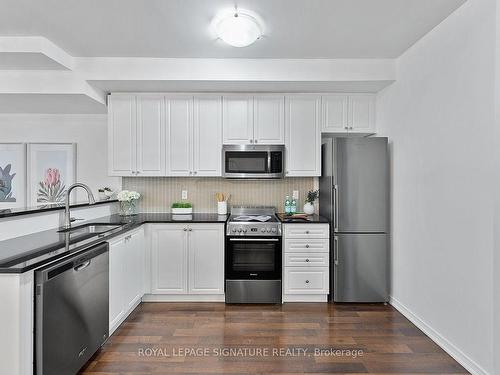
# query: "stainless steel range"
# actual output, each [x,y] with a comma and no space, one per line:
[253,256]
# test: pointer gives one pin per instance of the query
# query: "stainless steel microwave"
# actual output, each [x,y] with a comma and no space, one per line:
[253,161]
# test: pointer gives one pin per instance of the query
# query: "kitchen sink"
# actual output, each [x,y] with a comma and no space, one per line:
[91,228]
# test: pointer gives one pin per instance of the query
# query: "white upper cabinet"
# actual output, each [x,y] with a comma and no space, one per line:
[150,135]
[302,135]
[269,122]
[348,113]
[122,127]
[362,113]
[253,119]
[335,113]
[207,136]
[237,119]
[179,114]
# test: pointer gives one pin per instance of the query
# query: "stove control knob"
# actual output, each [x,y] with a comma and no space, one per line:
[263,230]
[268,230]
[234,230]
[273,230]
[240,230]
[245,230]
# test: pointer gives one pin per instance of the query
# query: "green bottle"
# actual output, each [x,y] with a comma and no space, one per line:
[293,207]
[288,205]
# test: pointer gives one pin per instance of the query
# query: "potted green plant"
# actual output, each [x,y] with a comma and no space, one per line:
[182,208]
[312,195]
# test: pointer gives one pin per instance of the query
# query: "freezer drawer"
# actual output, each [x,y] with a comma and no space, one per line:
[361,267]
[306,280]
[307,259]
[306,246]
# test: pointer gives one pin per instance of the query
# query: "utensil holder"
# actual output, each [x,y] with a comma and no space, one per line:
[222,208]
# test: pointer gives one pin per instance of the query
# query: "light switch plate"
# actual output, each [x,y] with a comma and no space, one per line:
[184,194]
[296,195]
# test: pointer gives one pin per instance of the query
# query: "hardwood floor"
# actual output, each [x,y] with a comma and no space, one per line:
[214,338]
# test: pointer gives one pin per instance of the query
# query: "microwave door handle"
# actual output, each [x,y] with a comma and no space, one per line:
[268,162]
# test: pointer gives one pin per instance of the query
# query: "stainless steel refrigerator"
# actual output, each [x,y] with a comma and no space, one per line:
[354,195]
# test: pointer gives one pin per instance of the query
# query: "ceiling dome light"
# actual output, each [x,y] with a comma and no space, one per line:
[238,29]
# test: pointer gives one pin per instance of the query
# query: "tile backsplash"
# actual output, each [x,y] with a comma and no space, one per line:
[158,193]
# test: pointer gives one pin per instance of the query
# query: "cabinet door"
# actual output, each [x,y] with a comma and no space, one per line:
[134,269]
[334,109]
[362,113]
[269,123]
[207,136]
[122,135]
[150,135]
[302,135]
[206,259]
[117,250]
[237,119]
[169,259]
[179,113]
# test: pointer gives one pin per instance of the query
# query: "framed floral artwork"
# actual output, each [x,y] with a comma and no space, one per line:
[12,175]
[51,170]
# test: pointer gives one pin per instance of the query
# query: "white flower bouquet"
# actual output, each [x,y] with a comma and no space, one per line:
[128,202]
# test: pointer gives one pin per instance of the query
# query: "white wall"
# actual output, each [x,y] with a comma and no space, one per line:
[439,116]
[88,131]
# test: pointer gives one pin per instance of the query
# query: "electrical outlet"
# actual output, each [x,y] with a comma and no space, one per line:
[296,195]
[184,194]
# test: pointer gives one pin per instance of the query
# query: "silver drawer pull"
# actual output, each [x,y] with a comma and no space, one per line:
[307,281]
[307,260]
[307,246]
[185,229]
[307,232]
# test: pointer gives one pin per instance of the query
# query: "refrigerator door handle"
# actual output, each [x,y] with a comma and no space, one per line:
[336,208]
[336,251]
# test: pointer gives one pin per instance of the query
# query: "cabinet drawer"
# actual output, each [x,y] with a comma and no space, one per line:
[306,259]
[306,280]
[307,231]
[307,246]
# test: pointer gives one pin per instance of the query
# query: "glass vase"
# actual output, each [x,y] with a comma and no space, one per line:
[128,208]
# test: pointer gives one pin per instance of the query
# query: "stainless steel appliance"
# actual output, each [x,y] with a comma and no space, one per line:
[71,308]
[354,195]
[253,161]
[253,256]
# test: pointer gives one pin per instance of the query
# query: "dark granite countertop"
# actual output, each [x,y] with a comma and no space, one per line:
[310,219]
[21,254]
[48,207]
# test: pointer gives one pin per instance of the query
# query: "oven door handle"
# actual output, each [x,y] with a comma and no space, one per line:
[255,239]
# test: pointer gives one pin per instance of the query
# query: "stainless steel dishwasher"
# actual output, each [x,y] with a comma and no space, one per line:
[71,307]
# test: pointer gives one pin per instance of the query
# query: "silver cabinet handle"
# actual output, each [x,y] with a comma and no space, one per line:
[336,208]
[251,140]
[194,172]
[307,281]
[255,141]
[190,229]
[185,229]
[307,246]
[82,266]
[307,260]
[336,251]
[307,232]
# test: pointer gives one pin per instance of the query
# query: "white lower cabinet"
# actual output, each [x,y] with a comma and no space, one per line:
[306,259]
[187,259]
[126,275]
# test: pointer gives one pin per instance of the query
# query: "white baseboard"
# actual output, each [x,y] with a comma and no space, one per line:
[183,298]
[435,336]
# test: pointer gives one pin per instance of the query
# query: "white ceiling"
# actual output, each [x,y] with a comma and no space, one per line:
[181,28]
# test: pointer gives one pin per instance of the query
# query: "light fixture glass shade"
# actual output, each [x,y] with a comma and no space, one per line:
[238,29]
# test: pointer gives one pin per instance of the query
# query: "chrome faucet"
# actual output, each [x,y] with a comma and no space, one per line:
[67,216]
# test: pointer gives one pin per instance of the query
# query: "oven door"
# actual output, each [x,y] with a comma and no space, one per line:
[253,258]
